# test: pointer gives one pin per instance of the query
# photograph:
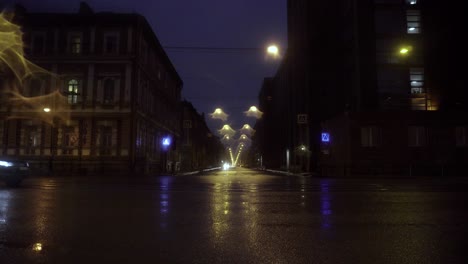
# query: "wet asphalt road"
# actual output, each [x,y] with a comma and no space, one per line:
[240,216]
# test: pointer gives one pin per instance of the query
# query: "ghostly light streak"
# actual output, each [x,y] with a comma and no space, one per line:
[17,72]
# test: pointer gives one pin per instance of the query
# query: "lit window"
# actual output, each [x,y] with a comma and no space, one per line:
[32,139]
[70,140]
[416,136]
[370,136]
[417,80]
[460,136]
[75,44]
[72,95]
[413,21]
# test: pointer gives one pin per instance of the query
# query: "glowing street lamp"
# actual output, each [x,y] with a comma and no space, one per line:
[405,50]
[273,50]
[219,114]
[166,142]
[46,109]
[254,112]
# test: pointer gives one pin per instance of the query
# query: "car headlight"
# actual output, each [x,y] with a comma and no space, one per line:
[5,163]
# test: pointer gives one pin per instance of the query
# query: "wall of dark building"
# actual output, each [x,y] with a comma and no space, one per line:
[344,57]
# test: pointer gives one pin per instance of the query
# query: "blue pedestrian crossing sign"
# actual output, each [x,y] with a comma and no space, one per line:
[325,137]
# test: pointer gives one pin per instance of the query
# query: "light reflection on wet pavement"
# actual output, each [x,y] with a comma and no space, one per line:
[238,216]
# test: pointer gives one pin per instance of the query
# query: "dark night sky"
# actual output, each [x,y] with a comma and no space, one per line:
[230,80]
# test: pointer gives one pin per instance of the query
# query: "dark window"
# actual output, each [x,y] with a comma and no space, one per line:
[75,44]
[416,136]
[109,87]
[460,136]
[389,21]
[105,140]
[38,44]
[370,136]
[35,87]
[111,44]
[392,80]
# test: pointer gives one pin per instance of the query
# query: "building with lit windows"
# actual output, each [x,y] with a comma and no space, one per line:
[116,95]
[382,79]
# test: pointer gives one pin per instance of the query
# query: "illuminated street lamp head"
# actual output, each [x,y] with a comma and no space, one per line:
[46,109]
[273,50]
[405,50]
[254,112]
[219,114]
[248,130]
[166,142]
[227,130]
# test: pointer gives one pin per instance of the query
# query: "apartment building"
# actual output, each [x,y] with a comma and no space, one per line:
[109,97]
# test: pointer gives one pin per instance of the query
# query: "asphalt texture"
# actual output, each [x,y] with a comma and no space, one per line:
[236,216]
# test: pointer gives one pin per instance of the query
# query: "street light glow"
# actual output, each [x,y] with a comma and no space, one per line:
[404,51]
[273,50]
[46,109]
[219,114]
[37,247]
[254,112]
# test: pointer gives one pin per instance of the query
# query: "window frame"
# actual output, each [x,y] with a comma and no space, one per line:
[75,47]
[461,136]
[371,136]
[105,140]
[420,135]
[105,43]
[73,90]
[106,99]
[413,22]
[34,50]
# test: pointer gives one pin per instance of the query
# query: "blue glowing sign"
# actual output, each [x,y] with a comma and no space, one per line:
[325,137]
[166,141]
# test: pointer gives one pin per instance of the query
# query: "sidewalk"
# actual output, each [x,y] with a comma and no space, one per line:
[303,174]
[197,172]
